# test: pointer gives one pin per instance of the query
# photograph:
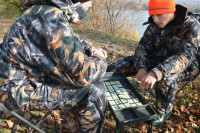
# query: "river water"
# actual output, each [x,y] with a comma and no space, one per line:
[137,18]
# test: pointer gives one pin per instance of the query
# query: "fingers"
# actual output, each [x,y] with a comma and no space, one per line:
[104,53]
[99,51]
[141,73]
[147,82]
[151,85]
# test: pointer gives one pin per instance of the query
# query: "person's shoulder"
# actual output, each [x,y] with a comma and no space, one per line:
[191,21]
[42,10]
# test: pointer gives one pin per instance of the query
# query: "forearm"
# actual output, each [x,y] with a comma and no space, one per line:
[175,64]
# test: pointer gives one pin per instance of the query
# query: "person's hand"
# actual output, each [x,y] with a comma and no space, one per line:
[99,52]
[141,73]
[148,81]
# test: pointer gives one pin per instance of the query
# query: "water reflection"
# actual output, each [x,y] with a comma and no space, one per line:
[137,18]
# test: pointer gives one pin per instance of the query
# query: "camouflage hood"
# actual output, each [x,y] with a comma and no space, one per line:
[64,5]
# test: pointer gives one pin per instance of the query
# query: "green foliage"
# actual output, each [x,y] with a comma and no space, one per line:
[105,35]
[11,8]
[37,114]
[107,16]
[5,131]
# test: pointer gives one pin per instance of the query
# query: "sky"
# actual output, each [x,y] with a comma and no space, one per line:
[180,1]
[187,0]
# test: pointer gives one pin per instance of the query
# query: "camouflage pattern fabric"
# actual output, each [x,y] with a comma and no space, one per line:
[169,52]
[44,65]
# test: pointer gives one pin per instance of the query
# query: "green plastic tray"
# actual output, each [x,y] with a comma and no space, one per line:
[126,103]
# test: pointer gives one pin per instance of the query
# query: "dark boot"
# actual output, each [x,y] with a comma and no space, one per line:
[161,119]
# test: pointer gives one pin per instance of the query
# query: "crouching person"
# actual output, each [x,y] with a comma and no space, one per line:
[44,65]
[166,54]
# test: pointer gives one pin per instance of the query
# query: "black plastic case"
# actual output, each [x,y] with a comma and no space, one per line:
[134,108]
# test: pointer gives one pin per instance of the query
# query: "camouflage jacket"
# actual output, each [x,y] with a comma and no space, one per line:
[171,49]
[40,52]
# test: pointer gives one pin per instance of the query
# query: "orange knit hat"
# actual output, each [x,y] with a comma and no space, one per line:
[161,7]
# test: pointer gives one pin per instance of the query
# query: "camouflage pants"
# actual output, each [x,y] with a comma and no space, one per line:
[165,89]
[84,110]
[90,118]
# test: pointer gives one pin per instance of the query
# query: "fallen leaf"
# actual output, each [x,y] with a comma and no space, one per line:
[180,94]
[166,131]
[7,114]
[2,124]
[108,123]
[171,129]
[198,99]
[59,123]
[22,109]
[42,114]
[142,128]
[175,121]
[56,113]
[183,108]
[191,118]
[65,126]
[51,126]
[193,111]
[13,119]
[169,122]
[130,130]
[195,96]
[44,125]
[185,129]
[10,123]
[194,125]
[187,124]
[179,126]
[19,127]
[190,104]
[176,109]
[27,116]
[49,119]
[66,131]
[183,117]
[179,131]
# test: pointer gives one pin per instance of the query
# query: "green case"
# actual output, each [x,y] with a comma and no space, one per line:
[126,103]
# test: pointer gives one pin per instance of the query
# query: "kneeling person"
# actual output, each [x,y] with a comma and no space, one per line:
[165,54]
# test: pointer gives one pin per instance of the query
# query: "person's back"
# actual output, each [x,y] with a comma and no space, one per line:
[45,65]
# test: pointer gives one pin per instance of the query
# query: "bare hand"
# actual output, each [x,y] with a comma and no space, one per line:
[148,81]
[141,73]
[99,52]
